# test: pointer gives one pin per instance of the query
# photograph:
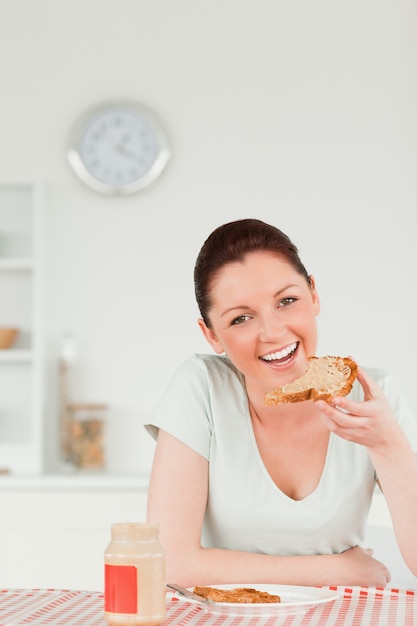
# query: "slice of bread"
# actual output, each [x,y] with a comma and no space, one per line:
[237,595]
[326,378]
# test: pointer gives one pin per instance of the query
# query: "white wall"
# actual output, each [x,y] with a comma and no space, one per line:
[298,113]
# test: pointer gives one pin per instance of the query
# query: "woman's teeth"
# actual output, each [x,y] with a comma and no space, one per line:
[276,356]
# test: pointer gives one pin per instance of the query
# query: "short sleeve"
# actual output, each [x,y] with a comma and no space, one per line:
[402,410]
[184,410]
[398,402]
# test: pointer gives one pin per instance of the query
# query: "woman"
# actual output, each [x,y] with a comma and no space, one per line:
[247,492]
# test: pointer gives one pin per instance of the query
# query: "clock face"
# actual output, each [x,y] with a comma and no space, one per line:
[118,148]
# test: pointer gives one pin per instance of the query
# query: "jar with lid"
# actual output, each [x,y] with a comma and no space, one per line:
[86,435]
[134,576]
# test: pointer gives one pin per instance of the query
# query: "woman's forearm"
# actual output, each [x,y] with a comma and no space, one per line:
[372,424]
[396,469]
[216,566]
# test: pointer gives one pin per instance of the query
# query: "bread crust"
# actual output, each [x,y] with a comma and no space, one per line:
[239,595]
[325,378]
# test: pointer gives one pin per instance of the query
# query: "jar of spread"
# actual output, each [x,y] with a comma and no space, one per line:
[134,576]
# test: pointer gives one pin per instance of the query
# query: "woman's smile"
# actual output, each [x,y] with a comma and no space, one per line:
[263,315]
[281,357]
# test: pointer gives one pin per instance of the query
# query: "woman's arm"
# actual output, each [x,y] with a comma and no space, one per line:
[372,423]
[177,501]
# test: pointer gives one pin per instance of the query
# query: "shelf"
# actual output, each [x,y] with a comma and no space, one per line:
[22,432]
[11,265]
[16,356]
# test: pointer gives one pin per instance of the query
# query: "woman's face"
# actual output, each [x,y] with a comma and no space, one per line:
[263,316]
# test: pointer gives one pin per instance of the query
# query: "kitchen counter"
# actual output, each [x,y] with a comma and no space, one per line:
[78,481]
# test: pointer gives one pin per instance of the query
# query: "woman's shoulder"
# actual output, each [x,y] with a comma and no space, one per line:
[395,394]
[378,374]
[206,374]
[211,365]
[385,379]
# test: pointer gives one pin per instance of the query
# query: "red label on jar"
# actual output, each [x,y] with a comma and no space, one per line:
[120,589]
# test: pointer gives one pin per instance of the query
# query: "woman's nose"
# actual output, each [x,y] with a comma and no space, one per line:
[272,329]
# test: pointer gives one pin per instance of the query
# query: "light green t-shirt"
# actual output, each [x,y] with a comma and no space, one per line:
[205,406]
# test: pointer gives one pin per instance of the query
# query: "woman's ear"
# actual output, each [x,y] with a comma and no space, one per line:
[211,337]
[314,295]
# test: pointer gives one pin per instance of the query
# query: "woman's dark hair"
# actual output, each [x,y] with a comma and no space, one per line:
[231,243]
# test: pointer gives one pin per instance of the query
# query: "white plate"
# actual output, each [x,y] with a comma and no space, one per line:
[294,599]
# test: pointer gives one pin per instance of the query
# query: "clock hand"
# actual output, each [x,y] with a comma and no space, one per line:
[121,149]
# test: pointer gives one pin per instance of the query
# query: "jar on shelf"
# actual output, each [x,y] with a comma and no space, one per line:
[86,426]
[134,576]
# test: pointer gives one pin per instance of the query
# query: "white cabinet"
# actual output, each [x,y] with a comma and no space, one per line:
[55,537]
[21,384]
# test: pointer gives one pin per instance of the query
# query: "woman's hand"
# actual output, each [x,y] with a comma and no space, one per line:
[370,423]
[360,568]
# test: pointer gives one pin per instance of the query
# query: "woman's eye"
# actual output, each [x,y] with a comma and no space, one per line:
[286,301]
[239,320]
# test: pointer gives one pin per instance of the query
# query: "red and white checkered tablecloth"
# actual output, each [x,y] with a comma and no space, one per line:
[357,606]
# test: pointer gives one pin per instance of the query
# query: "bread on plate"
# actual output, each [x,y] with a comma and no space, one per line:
[238,595]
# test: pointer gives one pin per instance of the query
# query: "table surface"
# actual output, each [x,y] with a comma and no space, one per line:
[355,606]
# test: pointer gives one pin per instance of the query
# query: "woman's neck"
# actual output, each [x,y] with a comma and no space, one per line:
[291,414]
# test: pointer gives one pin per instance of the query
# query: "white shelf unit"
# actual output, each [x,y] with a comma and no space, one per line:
[21,366]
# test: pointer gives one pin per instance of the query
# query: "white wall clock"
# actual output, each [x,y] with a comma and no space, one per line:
[118,147]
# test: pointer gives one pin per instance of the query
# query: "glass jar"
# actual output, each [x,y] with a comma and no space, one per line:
[86,436]
[134,576]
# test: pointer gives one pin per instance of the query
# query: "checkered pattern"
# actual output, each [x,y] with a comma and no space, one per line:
[51,606]
[357,606]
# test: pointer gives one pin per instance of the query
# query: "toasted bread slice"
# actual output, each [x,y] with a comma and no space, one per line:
[239,595]
[326,378]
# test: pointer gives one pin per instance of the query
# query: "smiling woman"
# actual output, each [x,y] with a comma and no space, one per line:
[280,494]
[263,307]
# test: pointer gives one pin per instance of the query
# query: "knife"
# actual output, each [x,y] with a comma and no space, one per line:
[189,594]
